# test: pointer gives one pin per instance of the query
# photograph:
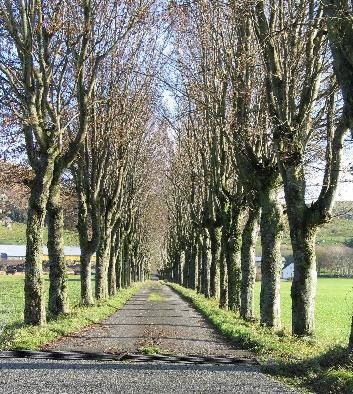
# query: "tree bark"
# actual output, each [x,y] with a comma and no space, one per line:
[86,283]
[232,251]
[126,263]
[58,298]
[206,262]
[186,265]
[102,263]
[215,239]
[193,267]
[302,233]
[34,311]
[271,263]
[112,269]
[223,295]
[248,267]
[303,289]
[119,267]
[199,264]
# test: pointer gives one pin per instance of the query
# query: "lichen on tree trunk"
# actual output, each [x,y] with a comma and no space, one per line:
[34,311]
[58,298]
[303,289]
[231,241]
[248,267]
[86,285]
[112,269]
[206,262]
[271,263]
[223,277]
[102,264]
[215,239]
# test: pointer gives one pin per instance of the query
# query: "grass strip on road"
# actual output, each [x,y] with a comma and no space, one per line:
[302,362]
[18,336]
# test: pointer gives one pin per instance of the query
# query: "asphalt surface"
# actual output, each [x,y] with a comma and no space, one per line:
[156,317]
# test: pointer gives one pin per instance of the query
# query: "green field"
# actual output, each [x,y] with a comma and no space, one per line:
[16,235]
[12,297]
[334,309]
[320,364]
[14,335]
[334,305]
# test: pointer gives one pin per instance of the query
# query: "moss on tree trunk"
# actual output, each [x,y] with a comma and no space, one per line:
[206,262]
[248,267]
[215,240]
[112,287]
[86,284]
[58,298]
[34,311]
[303,289]
[271,262]
[102,264]
[232,238]
[223,277]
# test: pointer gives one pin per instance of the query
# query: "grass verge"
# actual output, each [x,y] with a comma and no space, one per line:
[18,336]
[298,361]
[156,297]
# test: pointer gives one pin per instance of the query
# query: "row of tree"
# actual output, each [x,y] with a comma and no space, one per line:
[77,95]
[263,103]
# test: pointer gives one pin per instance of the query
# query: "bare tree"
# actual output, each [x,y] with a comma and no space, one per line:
[340,32]
[295,60]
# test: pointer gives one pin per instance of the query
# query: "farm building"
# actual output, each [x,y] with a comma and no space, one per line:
[18,252]
[12,257]
[287,271]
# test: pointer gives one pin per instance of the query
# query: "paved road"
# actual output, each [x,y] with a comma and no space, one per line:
[157,317]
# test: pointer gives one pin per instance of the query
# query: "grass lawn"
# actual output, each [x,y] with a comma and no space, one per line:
[321,363]
[14,335]
[16,235]
[334,309]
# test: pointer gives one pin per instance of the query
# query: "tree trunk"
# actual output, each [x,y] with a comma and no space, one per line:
[119,267]
[58,299]
[271,263]
[199,264]
[223,295]
[303,289]
[112,268]
[127,265]
[192,282]
[34,311]
[86,283]
[248,267]
[176,264]
[102,263]
[185,266]
[206,262]
[215,239]
[302,234]
[233,257]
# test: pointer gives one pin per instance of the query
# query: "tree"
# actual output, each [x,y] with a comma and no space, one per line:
[295,60]
[36,72]
[340,32]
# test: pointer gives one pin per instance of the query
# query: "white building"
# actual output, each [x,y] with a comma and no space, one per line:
[18,252]
[288,272]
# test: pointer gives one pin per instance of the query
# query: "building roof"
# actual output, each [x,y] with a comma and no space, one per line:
[259,258]
[20,250]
